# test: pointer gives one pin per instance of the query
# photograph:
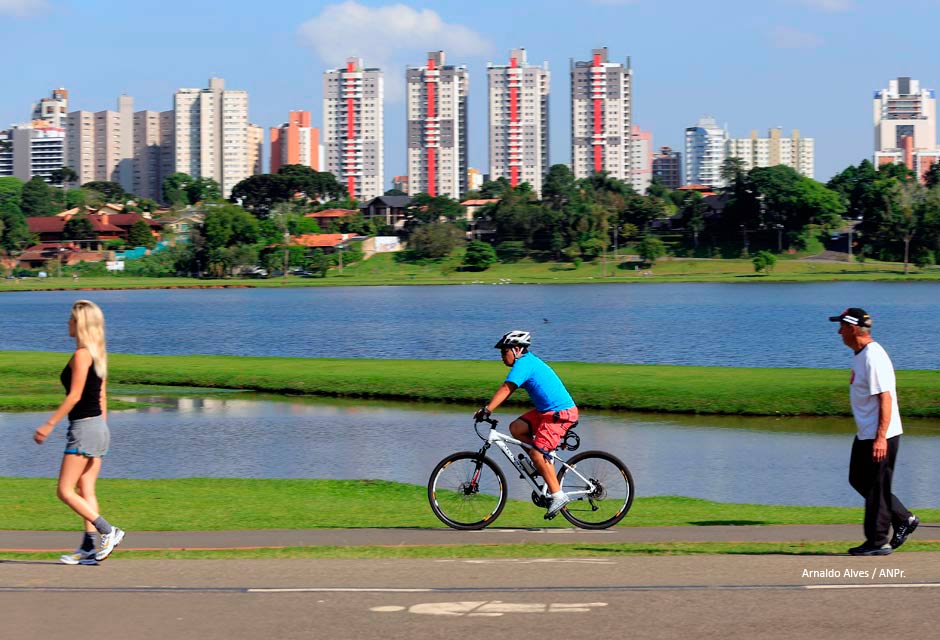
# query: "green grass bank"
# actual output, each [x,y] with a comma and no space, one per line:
[384,270]
[29,380]
[217,504]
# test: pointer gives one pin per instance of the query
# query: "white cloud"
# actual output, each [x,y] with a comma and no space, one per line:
[829,6]
[21,7]
[789,38]
[387,37]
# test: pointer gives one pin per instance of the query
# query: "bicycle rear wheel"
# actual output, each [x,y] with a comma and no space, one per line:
[467,490]
[611,498]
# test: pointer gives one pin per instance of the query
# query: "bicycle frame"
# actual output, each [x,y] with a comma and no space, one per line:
[501,441]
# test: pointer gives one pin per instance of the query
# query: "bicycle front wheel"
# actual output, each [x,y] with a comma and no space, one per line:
[467,490]
[606,500]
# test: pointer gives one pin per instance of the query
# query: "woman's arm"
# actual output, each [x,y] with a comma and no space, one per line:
[79,365]
[104,400]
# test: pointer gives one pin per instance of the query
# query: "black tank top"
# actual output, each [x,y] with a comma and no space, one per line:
[89,405]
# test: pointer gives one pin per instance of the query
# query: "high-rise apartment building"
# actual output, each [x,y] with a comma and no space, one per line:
[353,128]
[641,162]
[795,152]
[667,168]
[518,120]
[154,156]
[212,134]
[905,119]
[295,142]
[53,109]
[255,148]
[437,127]
[601,117]
[35,149]
[705,152]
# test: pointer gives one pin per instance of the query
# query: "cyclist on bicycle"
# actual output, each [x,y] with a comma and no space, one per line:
[554,412]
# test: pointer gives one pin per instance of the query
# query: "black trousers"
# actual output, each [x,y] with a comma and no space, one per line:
[873,481]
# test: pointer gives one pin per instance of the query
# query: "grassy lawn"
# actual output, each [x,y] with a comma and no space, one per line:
[29,380]
[199,504]
[382,269]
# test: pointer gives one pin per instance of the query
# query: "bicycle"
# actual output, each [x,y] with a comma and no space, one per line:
[468,491]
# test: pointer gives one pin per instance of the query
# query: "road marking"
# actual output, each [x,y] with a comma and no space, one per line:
[491,608]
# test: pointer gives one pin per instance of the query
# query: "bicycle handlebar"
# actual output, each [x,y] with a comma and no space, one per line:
[491,421]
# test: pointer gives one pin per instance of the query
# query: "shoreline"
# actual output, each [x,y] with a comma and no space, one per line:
[25,378]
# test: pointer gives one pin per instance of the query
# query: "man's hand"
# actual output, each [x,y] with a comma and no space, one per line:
[482,414]
[880,449]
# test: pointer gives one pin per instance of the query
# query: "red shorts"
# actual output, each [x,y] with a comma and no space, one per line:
[548,428]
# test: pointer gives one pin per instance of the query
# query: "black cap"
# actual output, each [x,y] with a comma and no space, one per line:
[853,316]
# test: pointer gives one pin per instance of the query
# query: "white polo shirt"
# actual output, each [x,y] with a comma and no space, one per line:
[873,373]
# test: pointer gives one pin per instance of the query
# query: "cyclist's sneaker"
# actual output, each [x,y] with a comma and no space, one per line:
[902,532]
[108,542]
[557,504]
[869,549]
[79,556]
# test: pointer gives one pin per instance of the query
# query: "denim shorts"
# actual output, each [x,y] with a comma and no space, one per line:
[88,437]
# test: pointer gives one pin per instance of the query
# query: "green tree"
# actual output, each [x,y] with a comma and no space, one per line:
[435,240]
[495,188]
[560,187]
[394,192]
[202,190]
[15,229]
[260,194]
[229,226]
[174,189]
[36,199]
[140,235]
[480,256]
[318,186]
[764,261]
[79,228]
[651,249]
[112,191]
[932,176]
[11,189]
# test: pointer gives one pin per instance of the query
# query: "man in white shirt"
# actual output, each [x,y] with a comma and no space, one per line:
[873,394]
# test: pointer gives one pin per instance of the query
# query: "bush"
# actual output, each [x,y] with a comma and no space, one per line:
[650,249]
[510,251]
[764,261]
[480,256]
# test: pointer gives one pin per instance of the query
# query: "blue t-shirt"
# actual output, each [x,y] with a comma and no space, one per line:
[543,385]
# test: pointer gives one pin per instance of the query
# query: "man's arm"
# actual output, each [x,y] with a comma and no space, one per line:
[505,390]
[880,448]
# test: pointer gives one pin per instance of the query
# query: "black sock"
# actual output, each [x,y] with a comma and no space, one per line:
[102,525]
[88,542]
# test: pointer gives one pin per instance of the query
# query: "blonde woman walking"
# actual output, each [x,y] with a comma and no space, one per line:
[86,404]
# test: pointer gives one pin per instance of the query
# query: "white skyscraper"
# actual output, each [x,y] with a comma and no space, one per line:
[518,117]
[32,150]
[705,152]
[212,134]
[353,128]
[905,119]
[601,117]
[437,127]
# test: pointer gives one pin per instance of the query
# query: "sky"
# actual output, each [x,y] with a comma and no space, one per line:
[811,65]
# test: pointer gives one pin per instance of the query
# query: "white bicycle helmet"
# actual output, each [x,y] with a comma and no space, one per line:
[514,339]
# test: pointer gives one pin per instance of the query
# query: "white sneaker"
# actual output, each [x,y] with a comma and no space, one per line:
[79,556]
[108,542]
[557,505]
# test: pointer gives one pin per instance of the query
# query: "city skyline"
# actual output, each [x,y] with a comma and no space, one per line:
[787,62]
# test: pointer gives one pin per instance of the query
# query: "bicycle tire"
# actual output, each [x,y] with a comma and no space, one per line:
[614,495]
[453,498]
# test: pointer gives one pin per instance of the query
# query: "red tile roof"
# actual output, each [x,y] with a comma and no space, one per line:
[333,213]
[479,202]
[318,240]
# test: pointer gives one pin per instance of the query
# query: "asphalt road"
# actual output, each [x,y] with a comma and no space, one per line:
[726,597]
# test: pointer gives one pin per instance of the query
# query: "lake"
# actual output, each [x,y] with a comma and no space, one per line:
[768,325]
[795,461]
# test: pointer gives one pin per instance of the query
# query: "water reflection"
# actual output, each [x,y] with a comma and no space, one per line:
[729,459]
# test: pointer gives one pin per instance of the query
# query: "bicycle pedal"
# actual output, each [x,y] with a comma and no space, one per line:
[551,516]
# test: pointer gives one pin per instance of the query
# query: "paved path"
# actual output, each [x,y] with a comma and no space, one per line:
[728,597]
[65,540]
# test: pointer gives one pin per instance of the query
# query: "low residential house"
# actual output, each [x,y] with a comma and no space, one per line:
[65,253]
[390,209]
[106,225]
[329,242]
[181,228]
[473,206]
[327,218]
